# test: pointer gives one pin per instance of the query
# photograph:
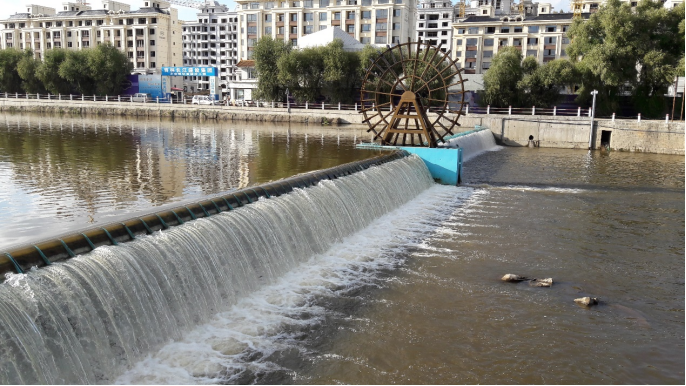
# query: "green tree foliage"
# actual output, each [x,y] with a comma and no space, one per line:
[48,72]
[302,71]
[75,70]
[267,53]
[108,68]
[620,51]
[340,72]
[9,77]
[26,69]
[501,80]
[541,85]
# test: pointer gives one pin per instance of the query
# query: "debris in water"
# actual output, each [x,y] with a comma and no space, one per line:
[586,301]
[541,282]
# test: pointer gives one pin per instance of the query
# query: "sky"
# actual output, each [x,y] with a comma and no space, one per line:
[10,7]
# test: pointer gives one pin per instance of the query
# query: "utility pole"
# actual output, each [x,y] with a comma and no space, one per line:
[676,83]
[590,133]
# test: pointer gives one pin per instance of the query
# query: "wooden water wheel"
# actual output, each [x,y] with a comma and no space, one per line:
[412,95]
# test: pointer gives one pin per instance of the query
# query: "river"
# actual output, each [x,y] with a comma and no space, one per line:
[416,297]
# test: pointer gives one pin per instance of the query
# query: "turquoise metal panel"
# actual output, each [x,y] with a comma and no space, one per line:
[445,165]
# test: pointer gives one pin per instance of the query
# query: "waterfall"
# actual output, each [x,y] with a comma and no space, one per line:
[474,143]
[90,318]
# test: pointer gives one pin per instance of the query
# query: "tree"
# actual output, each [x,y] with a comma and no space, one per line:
[541,85]
[48,72]
[500,81]
[341,75]
[75,70]
[108,67]
[302,71]
[619,51]
[9,77]
[267,53]
[26,69]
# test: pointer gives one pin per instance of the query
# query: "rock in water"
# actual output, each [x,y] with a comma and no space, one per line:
[541,282]
[513,277]
[586,301]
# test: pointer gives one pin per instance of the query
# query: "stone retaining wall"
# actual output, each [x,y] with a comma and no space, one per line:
[510,130]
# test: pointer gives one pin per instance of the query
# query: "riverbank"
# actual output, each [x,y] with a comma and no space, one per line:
[573,132]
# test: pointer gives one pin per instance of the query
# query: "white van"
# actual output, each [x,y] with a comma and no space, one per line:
[202,100]
[141,97]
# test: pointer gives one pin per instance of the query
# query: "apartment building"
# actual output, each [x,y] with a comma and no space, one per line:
[211,41]
[435,22]
[591,6]
[376,22]
[150,36]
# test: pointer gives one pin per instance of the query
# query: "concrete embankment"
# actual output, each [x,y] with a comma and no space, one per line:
[511,130]
[163,110]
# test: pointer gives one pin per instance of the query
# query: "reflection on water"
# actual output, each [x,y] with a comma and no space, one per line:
[60,174]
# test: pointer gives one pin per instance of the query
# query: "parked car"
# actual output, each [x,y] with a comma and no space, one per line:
[141,97]
[202,100]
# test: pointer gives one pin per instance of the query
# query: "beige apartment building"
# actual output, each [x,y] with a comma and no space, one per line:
[376,22]
[477,39]
[150,36]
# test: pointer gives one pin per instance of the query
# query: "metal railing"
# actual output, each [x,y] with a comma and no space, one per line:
[357,107]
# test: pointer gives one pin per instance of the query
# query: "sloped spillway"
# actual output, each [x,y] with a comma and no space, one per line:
[87,319]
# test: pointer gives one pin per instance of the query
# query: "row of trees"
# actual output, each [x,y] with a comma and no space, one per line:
[625,54]
[310,73]
[94,71]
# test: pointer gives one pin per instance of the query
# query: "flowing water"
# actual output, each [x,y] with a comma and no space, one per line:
[383,277]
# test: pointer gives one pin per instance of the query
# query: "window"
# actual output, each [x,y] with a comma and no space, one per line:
[254,5]
[381,13]
[381,26]
[366,40]
[532,41]
[323,3]
[294,17]
[472,42]
[565,28]
[280,30]
[490,30]
[485,65]
[308,16]
[322,27]
[444,33]
[152,54]
[322,16]
[550,28]
[488,54]
[473,30]
[252,17]
[380,40]
[252,30]
[470,54]
[461,31]
[350,28]
[549,53]
[397,13]
[69,34]
[533,53]
[351,15]
[366,14]
[533,29]
[504,30]
[141,20]
[307,29]
[366,2]
[488,42]
[565,40]
[268,18]
[518,29]
[152,31]
[294,30]
[153,20]
[294,42]
[337,16]
[551,40]
[396,26]
[366,27]
[307,3]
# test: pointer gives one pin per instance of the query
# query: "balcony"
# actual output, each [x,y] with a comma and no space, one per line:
[471,48]
[349,21]
[335,23]
[547,59]
[549,47]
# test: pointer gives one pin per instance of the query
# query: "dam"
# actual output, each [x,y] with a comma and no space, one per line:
[379,276]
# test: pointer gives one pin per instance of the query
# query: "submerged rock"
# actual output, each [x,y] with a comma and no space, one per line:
[541,282]
[586,301]
[513,277]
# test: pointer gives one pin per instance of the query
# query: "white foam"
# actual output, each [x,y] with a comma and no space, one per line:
[474,144]
[214,352]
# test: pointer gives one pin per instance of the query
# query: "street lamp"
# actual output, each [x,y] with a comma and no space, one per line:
[288,102]
[590,134]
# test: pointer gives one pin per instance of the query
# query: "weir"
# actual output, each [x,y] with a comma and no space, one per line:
[88,318]
[41,254]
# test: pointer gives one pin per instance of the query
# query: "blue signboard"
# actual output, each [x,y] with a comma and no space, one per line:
[153,85]
[189,71]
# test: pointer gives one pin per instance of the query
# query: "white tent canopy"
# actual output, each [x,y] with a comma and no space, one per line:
[326,36]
